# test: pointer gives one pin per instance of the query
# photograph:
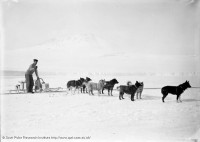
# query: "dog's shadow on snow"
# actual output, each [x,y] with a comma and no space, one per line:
[105,95]
[190,100]
[148,97]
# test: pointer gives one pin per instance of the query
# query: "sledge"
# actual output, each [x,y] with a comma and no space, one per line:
[39,87]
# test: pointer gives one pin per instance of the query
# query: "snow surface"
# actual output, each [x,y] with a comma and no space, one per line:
[101,118]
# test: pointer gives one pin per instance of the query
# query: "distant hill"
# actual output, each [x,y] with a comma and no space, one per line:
[13,73]
[21,73]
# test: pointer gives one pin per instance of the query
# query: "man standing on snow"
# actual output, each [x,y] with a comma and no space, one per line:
[29,78]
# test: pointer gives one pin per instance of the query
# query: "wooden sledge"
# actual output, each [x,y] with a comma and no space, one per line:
[39,87]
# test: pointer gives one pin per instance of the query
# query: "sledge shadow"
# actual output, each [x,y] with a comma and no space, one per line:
[105,95]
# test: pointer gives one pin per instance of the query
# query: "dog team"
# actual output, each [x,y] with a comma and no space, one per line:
[87,86]
[109,85]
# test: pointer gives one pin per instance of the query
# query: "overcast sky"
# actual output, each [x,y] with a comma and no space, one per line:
[134,27]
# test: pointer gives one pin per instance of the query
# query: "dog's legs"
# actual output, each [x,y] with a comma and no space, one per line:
[108,92]
[137,95]
[71,90]
[84,88]
[140,95]
[78,89]
[164,96]
[111,92]
[74,91]
[165,93]
[67,90]
[121,95]
[132,97]
[102,90]
[92,92]
[178,98]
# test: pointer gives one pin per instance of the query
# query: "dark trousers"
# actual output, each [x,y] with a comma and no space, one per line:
[29,82]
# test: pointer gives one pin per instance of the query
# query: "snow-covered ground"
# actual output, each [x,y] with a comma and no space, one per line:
[58,116]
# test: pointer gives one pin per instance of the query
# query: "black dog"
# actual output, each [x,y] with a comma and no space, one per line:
[75,83]
[130,89]
[84,89]
[175,90]
[110,85]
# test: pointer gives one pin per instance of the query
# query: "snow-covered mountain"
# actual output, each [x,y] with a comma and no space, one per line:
[61,52]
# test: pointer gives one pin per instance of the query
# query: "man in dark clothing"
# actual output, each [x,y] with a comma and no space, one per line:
[29,78]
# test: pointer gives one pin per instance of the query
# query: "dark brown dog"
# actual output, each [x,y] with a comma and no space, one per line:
[131,89]
[110,85]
